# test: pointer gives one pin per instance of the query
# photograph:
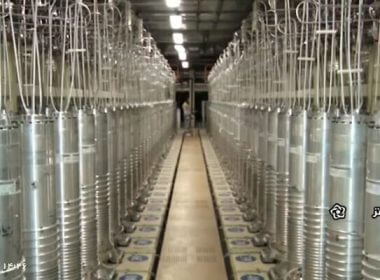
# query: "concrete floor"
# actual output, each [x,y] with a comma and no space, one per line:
[191,248]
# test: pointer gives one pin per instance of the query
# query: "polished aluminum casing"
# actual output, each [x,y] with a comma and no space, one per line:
[261,162]
[246,195]
[254,146]
[102,187]
[282,186]
[39,198]
[371,252]
[145,147]
[120,161]
[126,160]
[87,180]
[347,178]
[68,195]
[316,195]
[112,172]
[271,173]
[297,166]
[11,254]
[138,152]
[132,156]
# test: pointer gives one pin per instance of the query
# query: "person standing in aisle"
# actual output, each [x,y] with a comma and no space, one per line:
[187,115]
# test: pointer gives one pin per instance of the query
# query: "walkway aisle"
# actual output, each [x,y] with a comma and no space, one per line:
[191,248]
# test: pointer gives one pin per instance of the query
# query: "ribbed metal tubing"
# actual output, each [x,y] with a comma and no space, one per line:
[10,201]
[316,195]
[136,147]
[120,160]
[254,140]
[251,181]
[39,198]
[139,165]
[347,175]
[261,162]
[102,187]
[371,259]
[132,155]
[297,164]
[126,161]
[235,146]
[271,173]
[112,180]
[282,187]
[87,170]
[145,144]
[68,195]
[139,154]
[248,187]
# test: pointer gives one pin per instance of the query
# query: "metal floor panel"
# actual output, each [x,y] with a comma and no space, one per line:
[191,248]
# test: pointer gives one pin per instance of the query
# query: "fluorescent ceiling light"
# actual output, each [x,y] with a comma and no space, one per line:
[185,64]
[173,3]
[180,48]
[176,21]
[182,56]
[178,38]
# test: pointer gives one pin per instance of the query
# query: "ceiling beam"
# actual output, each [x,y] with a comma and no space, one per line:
[192,32]
[193,42]
[199,60]
[246,5]
[165,13]
[157,21]
[219,10]
[210,25]
[198,13]
[155,3]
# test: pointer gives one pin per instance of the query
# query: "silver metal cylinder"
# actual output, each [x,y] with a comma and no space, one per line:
[132,156]
[39,198]
[261,162]
[119,237]
[113,182]
[102,186]
[11,255]
[271,173]
[254,147]
[138,153]
[68,195]
[247,158]
[126,167]
[140,167]
[316,195]
[120,161]
[297,164]
[347,177]
[371,252]
[87,170]
[145,147]
[282,186]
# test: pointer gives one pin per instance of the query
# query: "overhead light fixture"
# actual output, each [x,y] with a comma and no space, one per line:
[176,21]
[185,65]
[178,38]
[182,56]
[173,3]
[181,52]
[180,48]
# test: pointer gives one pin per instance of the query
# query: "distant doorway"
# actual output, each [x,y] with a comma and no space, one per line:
[199,98]
[181,97]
